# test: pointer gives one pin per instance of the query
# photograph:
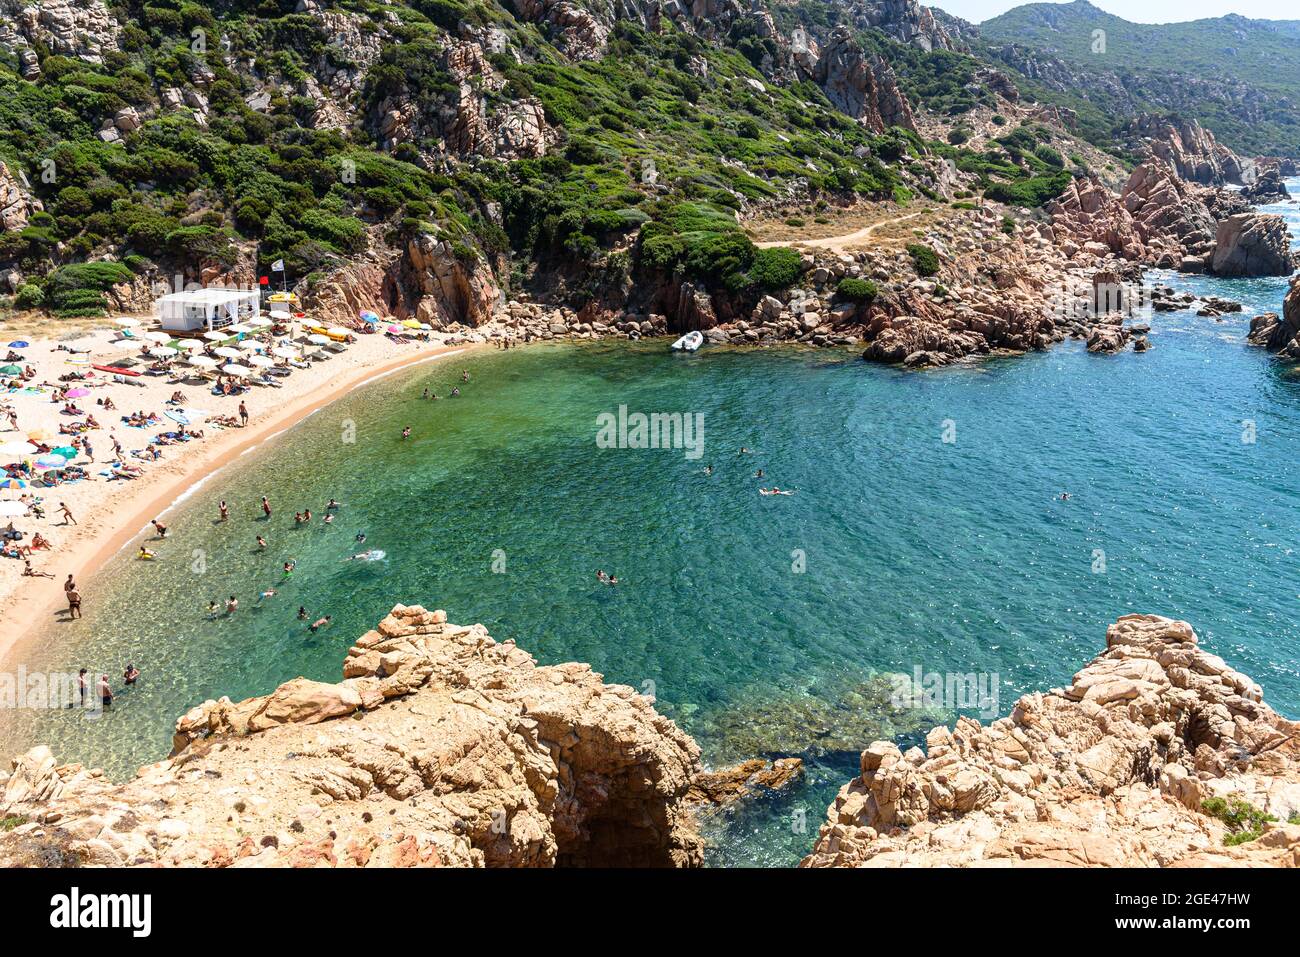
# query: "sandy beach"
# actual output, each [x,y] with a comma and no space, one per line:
[110,514]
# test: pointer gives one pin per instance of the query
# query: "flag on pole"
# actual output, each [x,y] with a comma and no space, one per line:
[277,266]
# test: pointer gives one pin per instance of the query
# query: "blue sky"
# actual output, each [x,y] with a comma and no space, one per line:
[1141,11]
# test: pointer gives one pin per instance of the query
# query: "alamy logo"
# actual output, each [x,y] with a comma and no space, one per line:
[76,910]
[656,430]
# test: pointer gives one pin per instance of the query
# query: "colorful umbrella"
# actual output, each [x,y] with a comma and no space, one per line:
[77,393]
[10,370]
[51,461]
[67,451]
[12,483]
[369,317]
[19,344]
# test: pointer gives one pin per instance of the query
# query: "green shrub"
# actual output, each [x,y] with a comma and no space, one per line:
[856,290]
[1245,821]
[777,267]
[924,258]
[29,296]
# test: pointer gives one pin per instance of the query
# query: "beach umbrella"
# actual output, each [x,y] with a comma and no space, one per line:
[67,451]
[163,352]
[264,361]
[203,362]
[51,461]
[19,344]
[126,321]
[280,314]
[284,352]
[13,483]
[368,316]
[77,393]
[234,368]
[17,449]
[189,345]
[12,509]
[318,340]
[38,435]
[10,370]
[248,345]
[240,328]
[227,352]
[160,337]
[214,336]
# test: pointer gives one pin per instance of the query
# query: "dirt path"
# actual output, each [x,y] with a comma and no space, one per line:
[841,243]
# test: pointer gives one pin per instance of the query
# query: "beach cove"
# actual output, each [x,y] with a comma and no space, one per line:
[957,557]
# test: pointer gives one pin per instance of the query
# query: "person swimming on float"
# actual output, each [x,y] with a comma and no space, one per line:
[269,593]
[289,566]
[145,555]
[774,491]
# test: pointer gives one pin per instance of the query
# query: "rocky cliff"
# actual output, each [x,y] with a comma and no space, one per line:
[1157,754]
[440,746]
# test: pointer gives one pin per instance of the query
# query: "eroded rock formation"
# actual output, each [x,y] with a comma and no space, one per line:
[863,87]
[441,746]
[16,204]
[1112,771]
[1252,244]
[1280,335]
[1188,147]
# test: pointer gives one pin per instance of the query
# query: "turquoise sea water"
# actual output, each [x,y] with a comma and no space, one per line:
[762,624]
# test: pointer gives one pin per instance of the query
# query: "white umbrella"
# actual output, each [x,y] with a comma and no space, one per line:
[214,336]
[249,344]
[279,314]
[227,352]
[239,327]
[126,321]
[203,362]
[17,449]
[338,331]
[259,322]
[189,345]
[163,352]
[318,340]
[162,337]
[260,361]
[234,368]
[12,509]
[284,352]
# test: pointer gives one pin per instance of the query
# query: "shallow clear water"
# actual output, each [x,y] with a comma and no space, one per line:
[952,557]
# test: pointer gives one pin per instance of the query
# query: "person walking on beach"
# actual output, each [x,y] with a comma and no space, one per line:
[118,451]
[67,514]
[224,509]
[243,413]
[74,603]
[105,692]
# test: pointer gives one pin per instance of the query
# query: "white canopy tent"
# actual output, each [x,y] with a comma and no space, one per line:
[207,309]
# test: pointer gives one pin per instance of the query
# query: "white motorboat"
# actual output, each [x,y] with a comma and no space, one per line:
[690,342]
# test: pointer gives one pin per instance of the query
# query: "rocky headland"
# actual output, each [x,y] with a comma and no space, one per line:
[1157,754]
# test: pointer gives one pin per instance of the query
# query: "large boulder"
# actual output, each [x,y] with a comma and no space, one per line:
[1280,334]
[1252,244]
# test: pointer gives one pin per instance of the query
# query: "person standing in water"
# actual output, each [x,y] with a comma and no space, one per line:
[232,605]
[131,675]
[224,510]
[266,507]
[74,603]
[105,693]
[160,528]
[406,432]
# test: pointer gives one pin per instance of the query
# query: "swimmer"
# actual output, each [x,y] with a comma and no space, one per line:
[708,470]
[320,623]
[406,432]
[232,605]
[269,593]
[426,394]
[131,675]
[758,474]
[455,392]
[212,609]
[333,504]
[224,509]
[261,543]
[329,518]
[602,576]
[266,507]
[361,537]
[1064,496]
[773,491]
[302,613]
[289,566]
[144,554]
